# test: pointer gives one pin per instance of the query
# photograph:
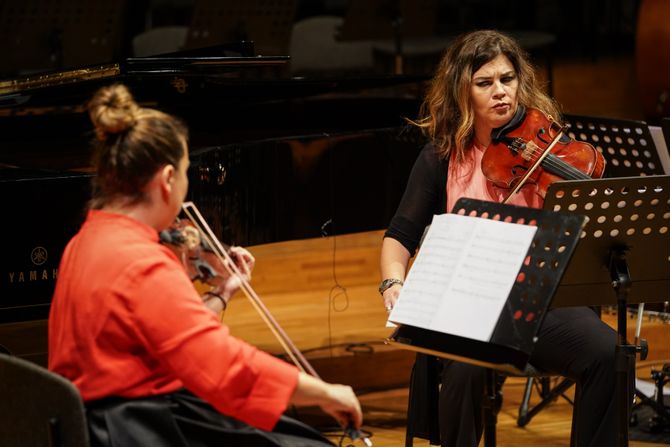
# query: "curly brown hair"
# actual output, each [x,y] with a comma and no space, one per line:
[446,116]
[132,144]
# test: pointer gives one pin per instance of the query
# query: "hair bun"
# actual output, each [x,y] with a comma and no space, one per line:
[112,110]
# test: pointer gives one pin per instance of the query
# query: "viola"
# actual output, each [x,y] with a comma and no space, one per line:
[533,149]
[209,261]
[205,269]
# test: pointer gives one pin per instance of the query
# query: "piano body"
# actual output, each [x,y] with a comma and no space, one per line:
[273,159]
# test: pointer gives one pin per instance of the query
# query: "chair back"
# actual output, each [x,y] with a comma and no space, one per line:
[314,48]
[161,40]
[38,407]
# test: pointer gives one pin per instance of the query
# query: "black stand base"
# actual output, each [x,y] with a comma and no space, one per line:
[661,420]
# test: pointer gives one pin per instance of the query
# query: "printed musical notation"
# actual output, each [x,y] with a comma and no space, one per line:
[462,276]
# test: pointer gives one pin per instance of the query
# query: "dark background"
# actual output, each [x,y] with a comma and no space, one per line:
[60,28]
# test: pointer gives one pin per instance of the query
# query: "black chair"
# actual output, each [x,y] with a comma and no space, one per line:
[38,407]
[422,406]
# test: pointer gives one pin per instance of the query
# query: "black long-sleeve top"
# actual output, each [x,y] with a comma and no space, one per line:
[424,196]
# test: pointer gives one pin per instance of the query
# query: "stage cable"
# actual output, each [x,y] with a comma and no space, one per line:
[328,229]
[337,290]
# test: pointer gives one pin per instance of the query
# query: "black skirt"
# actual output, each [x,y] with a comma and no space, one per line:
[181,419]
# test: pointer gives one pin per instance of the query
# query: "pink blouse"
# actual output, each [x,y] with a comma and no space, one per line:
[466,179]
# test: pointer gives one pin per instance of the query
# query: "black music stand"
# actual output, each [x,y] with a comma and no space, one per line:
[627,145]
[513,338]
[630,150]
[626,237]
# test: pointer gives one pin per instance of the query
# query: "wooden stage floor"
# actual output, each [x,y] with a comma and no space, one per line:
[385,417]
[323,292]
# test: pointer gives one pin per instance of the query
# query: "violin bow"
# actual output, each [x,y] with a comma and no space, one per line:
[536,163]
[296,356]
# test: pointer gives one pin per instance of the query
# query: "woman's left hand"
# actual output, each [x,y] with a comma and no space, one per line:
[220,295]
[244,261]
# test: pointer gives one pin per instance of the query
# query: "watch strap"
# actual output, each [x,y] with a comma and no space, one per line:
[388,282]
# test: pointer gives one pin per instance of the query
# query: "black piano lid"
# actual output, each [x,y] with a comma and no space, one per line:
[179,62]
[230,72]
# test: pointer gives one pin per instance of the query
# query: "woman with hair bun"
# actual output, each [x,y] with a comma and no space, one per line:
[153,365]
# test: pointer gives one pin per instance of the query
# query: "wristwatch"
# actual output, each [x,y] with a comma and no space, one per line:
[388,282]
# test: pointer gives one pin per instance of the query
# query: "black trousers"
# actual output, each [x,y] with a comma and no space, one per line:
[181,419]
[573,342]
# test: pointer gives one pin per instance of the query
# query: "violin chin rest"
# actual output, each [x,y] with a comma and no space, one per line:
[517,119]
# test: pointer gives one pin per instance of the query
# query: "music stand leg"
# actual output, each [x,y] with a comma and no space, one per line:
[625,352]
[491,406]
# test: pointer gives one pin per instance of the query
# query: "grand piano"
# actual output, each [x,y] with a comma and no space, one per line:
[273,158]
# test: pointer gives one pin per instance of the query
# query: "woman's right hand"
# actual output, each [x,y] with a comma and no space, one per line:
[339,401]
[343,405]
[393,264]
[391,296]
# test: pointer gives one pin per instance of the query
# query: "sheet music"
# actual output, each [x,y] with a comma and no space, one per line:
[462,275]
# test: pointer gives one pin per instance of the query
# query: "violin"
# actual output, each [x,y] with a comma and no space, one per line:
[209,261]
[204,268]
[533,149]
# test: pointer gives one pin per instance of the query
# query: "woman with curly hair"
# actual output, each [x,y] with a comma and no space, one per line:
[483,81]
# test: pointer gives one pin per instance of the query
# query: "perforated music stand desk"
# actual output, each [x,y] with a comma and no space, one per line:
[623,255]
[514,335]
[512,341]
[628,215]
[513,338]
[627,145]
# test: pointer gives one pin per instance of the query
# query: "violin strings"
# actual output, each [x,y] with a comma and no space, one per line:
[562,168]
[558,166]
[554,164]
